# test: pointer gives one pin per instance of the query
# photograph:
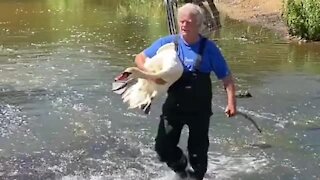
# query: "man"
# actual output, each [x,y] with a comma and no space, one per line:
[212,17]
[211,23]
[189,98]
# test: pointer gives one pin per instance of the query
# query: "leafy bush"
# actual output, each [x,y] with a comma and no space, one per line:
[303,18]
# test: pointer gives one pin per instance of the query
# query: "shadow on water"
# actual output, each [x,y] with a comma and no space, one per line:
[59,118]
[21,96]
[261,146]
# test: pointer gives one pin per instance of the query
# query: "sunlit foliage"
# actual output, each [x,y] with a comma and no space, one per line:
[303,18]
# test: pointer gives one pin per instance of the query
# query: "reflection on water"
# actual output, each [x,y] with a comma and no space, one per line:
[59,119]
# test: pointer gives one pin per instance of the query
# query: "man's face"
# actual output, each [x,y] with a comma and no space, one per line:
[188,24]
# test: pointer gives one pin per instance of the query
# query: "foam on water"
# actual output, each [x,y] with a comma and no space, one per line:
[219,167]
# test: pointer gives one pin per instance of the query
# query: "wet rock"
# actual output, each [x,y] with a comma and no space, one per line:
[243,94]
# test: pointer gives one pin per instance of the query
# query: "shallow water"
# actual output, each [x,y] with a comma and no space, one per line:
[59,119]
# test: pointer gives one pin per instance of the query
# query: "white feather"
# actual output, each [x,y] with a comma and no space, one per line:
[165,65]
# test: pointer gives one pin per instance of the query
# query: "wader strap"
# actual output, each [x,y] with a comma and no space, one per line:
[200,54]
[176,43]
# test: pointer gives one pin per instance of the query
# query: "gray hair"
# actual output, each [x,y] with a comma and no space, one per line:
[194,10]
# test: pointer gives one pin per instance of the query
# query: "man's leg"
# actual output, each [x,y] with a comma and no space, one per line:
[167,140]
[198,144]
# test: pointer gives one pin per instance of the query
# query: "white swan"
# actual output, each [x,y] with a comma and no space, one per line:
[165,65]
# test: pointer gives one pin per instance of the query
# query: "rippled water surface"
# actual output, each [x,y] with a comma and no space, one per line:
[59,119]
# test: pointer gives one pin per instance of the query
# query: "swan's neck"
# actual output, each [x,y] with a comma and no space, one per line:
[144,75]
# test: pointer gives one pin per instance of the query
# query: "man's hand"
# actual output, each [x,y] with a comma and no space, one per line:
[230,110]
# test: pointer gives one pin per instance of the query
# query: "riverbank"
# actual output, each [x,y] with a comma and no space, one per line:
[264,13]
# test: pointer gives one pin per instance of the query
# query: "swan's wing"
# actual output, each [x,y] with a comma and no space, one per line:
[164,64]
[138,94]
[156,63]
[168,68]
[153,64]
[167,65]
[168,46]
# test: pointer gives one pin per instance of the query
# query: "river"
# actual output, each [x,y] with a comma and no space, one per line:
[60,120]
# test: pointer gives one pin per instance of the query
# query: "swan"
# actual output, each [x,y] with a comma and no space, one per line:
[165,65]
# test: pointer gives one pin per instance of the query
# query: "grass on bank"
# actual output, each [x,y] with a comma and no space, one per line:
[142,8]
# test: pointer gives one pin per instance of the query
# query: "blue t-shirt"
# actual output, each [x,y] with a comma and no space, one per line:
[212,59]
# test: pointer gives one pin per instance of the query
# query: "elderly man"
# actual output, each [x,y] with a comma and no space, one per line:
[212,17]
[189,98]
[211,22]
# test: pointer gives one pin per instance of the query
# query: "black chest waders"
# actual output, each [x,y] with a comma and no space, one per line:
[191,94]
[188,102]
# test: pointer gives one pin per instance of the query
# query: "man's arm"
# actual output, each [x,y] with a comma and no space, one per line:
[140,60]
[231,98]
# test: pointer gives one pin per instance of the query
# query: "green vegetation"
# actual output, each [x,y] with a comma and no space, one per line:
[143,8]
[303,18]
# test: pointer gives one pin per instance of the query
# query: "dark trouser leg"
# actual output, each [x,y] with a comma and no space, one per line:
[167,139]
[198,144]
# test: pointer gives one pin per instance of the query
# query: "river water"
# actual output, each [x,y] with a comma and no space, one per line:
[60,120]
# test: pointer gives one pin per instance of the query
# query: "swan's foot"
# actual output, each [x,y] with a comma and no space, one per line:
[146,108]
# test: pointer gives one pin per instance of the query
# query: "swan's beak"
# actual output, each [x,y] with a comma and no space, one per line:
[119,86]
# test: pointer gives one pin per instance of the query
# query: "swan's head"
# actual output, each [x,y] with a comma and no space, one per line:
[121,82]
[133,72]
[124,76]
[129,73]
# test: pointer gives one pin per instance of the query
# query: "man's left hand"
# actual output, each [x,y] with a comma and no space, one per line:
[230,111]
